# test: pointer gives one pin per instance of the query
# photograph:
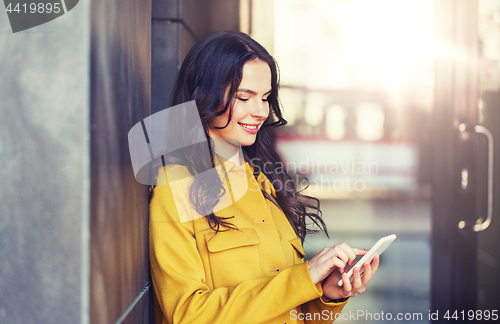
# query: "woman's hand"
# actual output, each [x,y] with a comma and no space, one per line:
[329,258]
[331,289]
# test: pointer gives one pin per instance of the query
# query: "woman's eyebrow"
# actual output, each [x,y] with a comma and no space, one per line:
[253,92]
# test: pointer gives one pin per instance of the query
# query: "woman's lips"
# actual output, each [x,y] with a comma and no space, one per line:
[251,128]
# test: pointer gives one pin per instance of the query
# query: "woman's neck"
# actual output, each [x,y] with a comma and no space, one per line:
[228,151]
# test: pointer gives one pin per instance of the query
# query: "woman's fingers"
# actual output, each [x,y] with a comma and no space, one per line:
[368,271]
[359,280]
[338,256]
[367,274]
[351,253]
[375,263]
[334,257]
[322,264]
[359,251]
[346,282]
[345,252]
[356,282]
[339,253]
[338,263]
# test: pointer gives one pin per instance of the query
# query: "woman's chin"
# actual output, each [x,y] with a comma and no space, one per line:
[247,142]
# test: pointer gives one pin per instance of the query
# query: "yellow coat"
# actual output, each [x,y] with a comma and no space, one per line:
[254,275]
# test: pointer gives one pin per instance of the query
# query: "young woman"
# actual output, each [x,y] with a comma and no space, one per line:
[227,247]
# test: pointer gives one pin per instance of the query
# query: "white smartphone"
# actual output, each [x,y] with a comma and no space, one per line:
[377,249]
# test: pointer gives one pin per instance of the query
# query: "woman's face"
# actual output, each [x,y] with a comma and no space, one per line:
[250,108]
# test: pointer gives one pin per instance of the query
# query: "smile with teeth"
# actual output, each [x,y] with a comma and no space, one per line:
[249,126]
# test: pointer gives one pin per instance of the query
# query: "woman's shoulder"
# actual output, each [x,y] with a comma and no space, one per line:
[167,174]
[171,193]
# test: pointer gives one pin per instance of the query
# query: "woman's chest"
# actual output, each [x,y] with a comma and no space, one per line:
[263,245]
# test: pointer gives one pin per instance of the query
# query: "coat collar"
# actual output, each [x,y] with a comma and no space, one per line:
[263,182]
[231,168]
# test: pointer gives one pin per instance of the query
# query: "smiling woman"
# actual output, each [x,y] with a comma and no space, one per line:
[250,109]
[244,261]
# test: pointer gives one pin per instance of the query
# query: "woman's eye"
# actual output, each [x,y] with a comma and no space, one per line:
[243,99]
[265,99]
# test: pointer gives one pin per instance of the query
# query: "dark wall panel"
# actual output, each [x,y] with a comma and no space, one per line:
[120,97]
[176,26]
[166,55]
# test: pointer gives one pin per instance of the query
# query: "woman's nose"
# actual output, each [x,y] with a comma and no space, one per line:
[260,109]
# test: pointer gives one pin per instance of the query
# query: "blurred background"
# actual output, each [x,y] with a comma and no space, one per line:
[357,81]
[393,108]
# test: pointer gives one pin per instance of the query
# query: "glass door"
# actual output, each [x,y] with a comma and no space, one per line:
[488,251]
[466,253]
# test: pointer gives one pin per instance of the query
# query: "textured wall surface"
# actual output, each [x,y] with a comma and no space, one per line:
[120,97]
[44,173]
[176,26]
[165,58]
[73,220]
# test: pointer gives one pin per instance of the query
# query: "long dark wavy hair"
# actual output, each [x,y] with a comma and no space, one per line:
[211,74]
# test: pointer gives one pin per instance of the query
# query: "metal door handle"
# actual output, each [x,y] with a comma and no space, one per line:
[489,214]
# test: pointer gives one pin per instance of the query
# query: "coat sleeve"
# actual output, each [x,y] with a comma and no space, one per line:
[327,310]
[179,278]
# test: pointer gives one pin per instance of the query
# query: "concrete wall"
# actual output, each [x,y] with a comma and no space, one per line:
[73,220]
[44,170]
